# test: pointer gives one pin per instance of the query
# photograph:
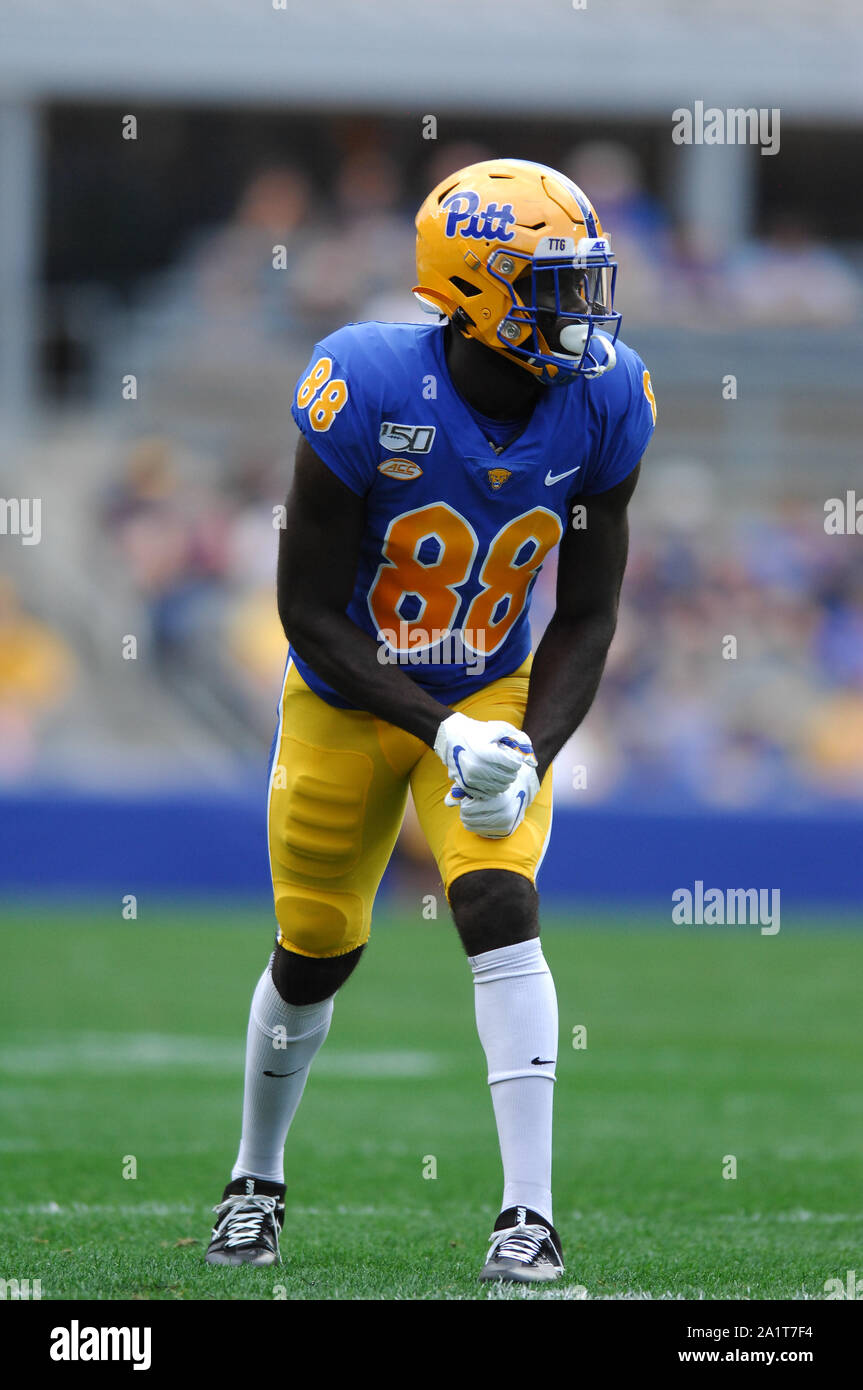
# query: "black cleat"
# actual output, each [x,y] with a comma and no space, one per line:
[525,1249]
[251,1215]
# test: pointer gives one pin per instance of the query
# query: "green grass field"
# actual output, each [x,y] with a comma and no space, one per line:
[126,1039]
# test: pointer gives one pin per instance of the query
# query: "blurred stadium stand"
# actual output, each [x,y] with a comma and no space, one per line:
[303,128]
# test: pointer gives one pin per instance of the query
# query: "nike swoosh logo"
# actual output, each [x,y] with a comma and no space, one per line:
[282,1073]
[556,477]
[459,748]
[518,812]
[542,1061]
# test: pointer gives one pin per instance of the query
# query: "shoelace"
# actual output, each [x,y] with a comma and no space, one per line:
[522,1243]
[243,1218]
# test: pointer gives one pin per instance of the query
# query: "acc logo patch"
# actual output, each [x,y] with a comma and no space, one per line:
[414,439]
[498,476]
[490,224]
[400,468]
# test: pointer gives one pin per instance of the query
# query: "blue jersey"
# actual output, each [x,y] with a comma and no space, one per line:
[457,528]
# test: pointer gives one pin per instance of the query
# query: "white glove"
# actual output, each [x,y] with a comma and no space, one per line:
[495,817]
[482,756]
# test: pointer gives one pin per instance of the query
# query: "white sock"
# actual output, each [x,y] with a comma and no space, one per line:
[282,1039]
[516,1018]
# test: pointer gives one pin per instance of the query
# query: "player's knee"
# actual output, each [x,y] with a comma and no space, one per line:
[319,922]
[309,979]
[494,908]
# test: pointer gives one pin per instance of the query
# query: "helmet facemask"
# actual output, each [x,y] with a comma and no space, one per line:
[563,295]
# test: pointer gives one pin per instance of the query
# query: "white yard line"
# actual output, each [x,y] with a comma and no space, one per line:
[147,1210]
[69,1053]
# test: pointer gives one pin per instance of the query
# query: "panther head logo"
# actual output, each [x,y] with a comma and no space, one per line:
[498,476]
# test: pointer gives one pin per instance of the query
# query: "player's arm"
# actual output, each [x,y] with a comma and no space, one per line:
[570,658]
[319,551]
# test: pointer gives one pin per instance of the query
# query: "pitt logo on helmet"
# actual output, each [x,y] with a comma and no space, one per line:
[400,468]
[491,224]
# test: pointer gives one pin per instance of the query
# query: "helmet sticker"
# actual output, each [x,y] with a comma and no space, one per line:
[554,246]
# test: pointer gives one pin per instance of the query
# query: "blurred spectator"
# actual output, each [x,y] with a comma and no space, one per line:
[257,648]
[362,265]
[172,540]
[253,641]
[792,279]
[610,176]
[36,674]
[272,210]
[254,488]
[834,743]
[226,288]
[147,483]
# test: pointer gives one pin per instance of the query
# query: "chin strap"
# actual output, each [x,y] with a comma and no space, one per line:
[463,322]
[578,340]
[610,357]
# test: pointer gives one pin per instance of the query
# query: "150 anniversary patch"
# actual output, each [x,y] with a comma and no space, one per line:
[408,439]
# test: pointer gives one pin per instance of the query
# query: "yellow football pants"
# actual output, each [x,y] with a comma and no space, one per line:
[338,790]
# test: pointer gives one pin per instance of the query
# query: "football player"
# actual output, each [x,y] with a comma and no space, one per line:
[438,466]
